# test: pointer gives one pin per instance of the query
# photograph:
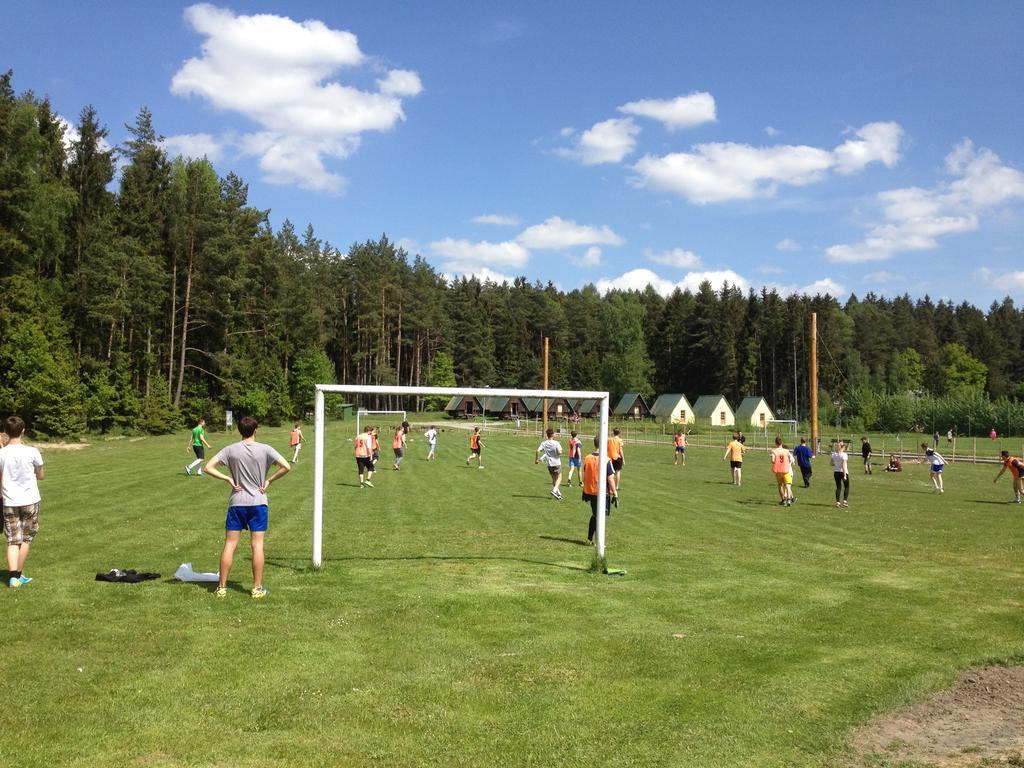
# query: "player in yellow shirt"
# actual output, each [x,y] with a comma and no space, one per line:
[734,453]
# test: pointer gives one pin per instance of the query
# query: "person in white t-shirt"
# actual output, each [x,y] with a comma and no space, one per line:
[936,462]
[841,473]
[21,469]
[431,435]
[551,450]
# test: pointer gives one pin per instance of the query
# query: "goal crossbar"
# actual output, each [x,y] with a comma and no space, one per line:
[384,389]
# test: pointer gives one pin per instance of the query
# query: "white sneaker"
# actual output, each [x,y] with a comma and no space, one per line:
[481,466]
[187,470]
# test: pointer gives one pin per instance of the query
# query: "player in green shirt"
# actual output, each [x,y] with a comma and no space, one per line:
[197,444]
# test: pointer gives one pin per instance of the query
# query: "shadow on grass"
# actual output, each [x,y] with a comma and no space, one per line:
[581,542]
[290,566]
[209,586]
[991,501]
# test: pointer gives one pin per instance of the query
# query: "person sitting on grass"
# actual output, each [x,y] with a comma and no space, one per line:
[249,463]
[894,465]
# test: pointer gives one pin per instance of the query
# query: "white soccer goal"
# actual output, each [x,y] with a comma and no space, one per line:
[367,389]
[363,412]
[793,425]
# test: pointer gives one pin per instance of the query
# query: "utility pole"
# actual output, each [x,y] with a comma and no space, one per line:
[814,381]
[546,349]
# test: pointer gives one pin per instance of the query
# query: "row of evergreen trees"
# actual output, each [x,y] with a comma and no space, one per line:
[139,291]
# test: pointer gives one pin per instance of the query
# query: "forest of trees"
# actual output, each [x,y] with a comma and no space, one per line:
[139,291]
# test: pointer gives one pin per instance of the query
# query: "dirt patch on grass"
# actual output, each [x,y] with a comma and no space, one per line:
[62,446]
[977,722]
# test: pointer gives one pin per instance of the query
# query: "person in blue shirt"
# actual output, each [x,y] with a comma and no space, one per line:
[803,455]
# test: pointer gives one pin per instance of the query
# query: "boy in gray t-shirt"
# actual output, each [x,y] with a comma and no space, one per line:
[551,450]
[249,463]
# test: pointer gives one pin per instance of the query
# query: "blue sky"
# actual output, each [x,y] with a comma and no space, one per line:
[846,147]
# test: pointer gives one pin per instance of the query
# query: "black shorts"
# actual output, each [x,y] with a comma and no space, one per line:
[617,464]
[592,499]
[399,453]
[365,464]
[736,464]
[199,451]
[553,471]
[474,451]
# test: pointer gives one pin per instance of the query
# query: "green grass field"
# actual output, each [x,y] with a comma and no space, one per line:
[455,622]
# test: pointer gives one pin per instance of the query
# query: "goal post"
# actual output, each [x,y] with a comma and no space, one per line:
[364,412]
[792,423]
[373,389]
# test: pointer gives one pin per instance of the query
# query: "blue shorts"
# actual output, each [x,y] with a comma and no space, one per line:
[937,468]
[576,462]
[247,518]
[680,449]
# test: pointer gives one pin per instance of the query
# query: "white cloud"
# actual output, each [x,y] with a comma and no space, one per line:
[557,233]
[463,252]
[498,219]
[606,142]
[773,132]
[194,145]
[676,257]
[1005,281]
[483,274]
[822,287]
[401,82]
[788,245]
[71,135]
[882,276]
[409,244]
[636,280]
[680,112]
[770,270]
[717,278]
[591,258]
[916,218]
[281,74]
[875,142]
[639,279]
[717,172]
